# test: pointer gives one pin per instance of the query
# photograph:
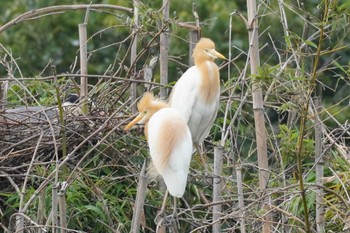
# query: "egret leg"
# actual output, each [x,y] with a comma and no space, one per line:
[175,210]
[198,148]
[162,210]
[175,224]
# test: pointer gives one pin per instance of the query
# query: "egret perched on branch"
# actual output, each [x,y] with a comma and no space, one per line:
[169,141]
[196,93]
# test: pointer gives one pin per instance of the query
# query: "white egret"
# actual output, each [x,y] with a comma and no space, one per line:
[196,94]
[169,141]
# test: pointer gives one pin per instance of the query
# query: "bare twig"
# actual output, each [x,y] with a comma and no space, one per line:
[59,9]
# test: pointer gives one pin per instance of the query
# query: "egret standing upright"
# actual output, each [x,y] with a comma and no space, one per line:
[169,141]
[196,94]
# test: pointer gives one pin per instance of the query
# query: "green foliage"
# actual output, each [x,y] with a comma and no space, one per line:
[35,93]
[288,143]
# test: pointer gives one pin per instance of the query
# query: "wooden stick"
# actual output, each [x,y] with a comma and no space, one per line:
[139,201]
[240,196]
[258,106]
[62,204]
[133,55]
[83,65]
[164,43]
[3,94]
[217,188]
[319,168]
[194,35]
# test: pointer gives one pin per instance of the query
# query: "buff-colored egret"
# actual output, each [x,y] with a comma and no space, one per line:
[196,94]
[169,141]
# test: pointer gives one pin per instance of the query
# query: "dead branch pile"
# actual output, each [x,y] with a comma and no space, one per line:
[36,131]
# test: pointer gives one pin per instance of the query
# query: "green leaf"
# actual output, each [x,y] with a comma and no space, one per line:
[95,209]
[312,44]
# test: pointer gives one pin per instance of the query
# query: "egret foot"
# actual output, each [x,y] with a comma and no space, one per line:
[171,221]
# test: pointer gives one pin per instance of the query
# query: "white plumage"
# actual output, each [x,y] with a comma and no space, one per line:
[168,129]
[169,141]
[196,93]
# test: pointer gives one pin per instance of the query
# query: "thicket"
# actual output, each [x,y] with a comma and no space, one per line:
[80,172]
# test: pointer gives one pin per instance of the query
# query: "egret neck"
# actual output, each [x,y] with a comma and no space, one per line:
[210,86]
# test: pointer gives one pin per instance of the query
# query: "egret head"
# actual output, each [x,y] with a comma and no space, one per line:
[205,50]
[147,106]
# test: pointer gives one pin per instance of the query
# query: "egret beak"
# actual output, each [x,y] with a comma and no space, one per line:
[134,122]
[217,54]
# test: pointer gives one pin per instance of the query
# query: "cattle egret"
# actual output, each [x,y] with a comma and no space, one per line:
[169,141]
[196,93]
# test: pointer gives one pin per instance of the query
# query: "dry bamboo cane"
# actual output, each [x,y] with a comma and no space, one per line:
[217,188]
[83,65]
[54,205]
[319,168]
[194,35]
[41,208]
[133,54]
[3,94]
[139,201]
[240,196]
[163,60]
[164,43]
[258,107]
[62,204]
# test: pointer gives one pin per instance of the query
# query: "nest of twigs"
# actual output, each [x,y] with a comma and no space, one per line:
[37,134]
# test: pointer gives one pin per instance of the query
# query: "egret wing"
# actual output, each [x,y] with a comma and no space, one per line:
[170,146]
[185,92]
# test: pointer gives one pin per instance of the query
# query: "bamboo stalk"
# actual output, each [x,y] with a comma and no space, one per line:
[133,54]
[194,35]
[319,168]
[140,200]
[303,119]
[41,208]
[3,94]
[163,60]
[83,65]
[19,224]
[240,197]
[54,209]
[217,188]
[258,106]
[164,43]
[62,207]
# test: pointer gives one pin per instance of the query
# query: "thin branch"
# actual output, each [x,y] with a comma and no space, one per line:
[55,9]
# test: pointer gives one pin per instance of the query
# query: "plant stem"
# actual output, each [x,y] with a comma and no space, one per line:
[300,172]
[304,113]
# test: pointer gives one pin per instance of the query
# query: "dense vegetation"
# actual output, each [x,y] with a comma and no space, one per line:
[99,164]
